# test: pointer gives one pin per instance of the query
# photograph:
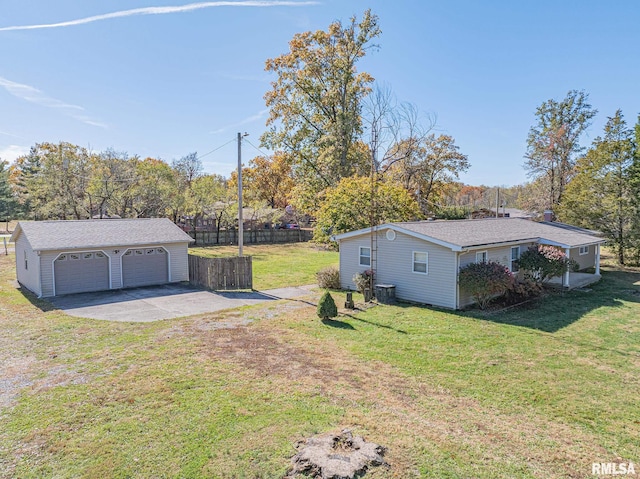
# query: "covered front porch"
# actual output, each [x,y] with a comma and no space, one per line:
[574,280]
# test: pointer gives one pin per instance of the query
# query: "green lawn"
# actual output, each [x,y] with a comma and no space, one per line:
[275,266]
[529,393]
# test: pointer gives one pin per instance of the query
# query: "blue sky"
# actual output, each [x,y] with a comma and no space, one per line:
[188,79]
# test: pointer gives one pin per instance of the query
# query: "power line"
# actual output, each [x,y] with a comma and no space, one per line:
[256,148]
[216,149]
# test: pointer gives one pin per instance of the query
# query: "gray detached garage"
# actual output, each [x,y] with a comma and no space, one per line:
[65,257]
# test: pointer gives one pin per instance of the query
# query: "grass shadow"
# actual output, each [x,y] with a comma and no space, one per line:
[376,324]
[335,323]
[558,309]
[42,304]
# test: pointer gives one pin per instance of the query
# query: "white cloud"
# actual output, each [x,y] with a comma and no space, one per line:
[33,95]
[6,133]
[160,11]
[249,119]
[11,152]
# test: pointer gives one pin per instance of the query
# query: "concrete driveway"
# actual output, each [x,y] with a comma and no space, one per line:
[163,302]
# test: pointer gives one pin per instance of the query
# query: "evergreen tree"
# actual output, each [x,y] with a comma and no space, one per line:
[8,204]
[600,195]
[327,307]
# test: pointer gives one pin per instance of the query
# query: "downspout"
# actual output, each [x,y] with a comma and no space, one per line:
[457,306]
[567,251]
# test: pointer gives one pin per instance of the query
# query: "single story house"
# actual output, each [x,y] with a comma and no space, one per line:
[422,259]
[63,257]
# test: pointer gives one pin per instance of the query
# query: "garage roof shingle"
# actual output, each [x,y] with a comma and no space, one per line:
[67,235]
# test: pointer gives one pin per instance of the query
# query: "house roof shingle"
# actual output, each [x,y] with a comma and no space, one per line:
[460,234]
[55,235]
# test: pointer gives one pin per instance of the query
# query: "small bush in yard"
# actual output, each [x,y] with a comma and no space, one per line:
[523,290]
[363,280]
[327,307]
[543,262]
[485,281]
[329,278]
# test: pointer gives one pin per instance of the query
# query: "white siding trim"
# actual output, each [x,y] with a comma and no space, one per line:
[360,256]
[351,234]
[39,276]
[455,276]
[53,265]
[512,260]
[413,262]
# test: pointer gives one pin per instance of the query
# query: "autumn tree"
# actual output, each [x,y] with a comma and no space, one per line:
[435,162]
[316,101]
[634,183]
[266,179]
[200,199]
[554,142]
[601,196]
[154,189]
[52,181]
[347,206]
[113,184]
[189,168]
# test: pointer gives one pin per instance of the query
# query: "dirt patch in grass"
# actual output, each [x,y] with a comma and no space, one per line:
[386,404]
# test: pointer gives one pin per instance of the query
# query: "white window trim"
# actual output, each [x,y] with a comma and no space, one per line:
[580,250]
[360,256]
[512,260]
[486,255]
[413,262]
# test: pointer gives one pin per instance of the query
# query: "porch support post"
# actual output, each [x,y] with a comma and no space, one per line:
[597,259]
[565,283]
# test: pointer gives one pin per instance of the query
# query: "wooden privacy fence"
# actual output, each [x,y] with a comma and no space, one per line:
[267,236]
[221,273]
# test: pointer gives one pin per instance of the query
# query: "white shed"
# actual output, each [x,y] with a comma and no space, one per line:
[64,257]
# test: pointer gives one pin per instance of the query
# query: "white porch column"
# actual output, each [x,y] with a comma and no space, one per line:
[597,259]
[565,283]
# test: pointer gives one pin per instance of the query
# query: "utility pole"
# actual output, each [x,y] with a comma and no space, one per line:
[497,201]
[240,220]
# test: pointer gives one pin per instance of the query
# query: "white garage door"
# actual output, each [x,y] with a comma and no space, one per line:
[81,272]
[144,267]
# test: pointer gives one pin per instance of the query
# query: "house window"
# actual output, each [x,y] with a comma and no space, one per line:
[365,256]
[515,256]
[26,261]
[420,262]
[481,257]
[584,250]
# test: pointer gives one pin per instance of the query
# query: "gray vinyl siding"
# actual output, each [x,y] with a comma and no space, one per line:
[395,266]
[350,259]
[586,260]
[501,254]
[178,264]
[29,277]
